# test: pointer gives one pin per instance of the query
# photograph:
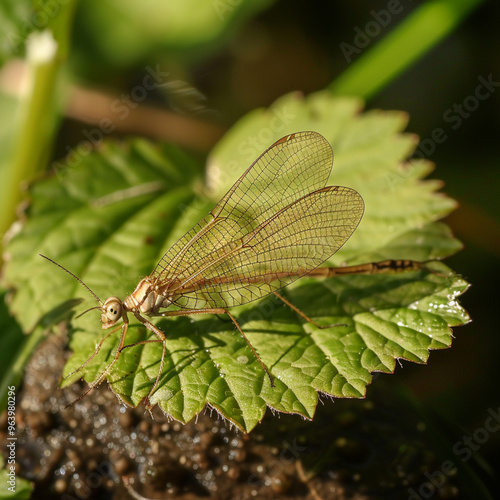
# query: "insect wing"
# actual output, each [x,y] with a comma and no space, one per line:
[291,168]
[282,249]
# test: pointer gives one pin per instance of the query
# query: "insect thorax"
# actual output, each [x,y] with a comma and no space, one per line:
[146,298]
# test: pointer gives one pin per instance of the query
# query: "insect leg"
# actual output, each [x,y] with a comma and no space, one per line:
[382,267]
[161,338]
[103,375]
[188,312]
[233,319]
[97,349]
[304,315]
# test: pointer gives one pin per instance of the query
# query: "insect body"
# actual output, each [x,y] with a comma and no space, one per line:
[278,223]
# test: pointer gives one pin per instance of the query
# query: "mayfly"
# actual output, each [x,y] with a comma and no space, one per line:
[278,223]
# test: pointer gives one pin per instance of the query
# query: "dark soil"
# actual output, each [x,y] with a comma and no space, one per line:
[100,449]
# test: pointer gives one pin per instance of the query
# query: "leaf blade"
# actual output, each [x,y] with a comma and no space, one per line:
[112,244]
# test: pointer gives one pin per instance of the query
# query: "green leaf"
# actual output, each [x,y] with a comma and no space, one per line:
[106,218]
[111,218]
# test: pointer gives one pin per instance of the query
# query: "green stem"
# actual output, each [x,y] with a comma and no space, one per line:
[405,44]
[36,120]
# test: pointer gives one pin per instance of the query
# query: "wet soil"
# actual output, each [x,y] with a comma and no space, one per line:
[100,449]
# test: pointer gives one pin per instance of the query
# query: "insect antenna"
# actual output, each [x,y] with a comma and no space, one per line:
[77,279]
[88,310]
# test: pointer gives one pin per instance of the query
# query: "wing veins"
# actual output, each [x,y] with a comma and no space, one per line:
[299,153]
[245,244]
[296,270]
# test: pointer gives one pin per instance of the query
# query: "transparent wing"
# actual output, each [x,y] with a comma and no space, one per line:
[280,250]
[291,168]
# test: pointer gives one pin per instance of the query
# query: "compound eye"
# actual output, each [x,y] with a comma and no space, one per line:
[112,310]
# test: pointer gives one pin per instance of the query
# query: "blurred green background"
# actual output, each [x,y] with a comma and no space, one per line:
[220,59]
